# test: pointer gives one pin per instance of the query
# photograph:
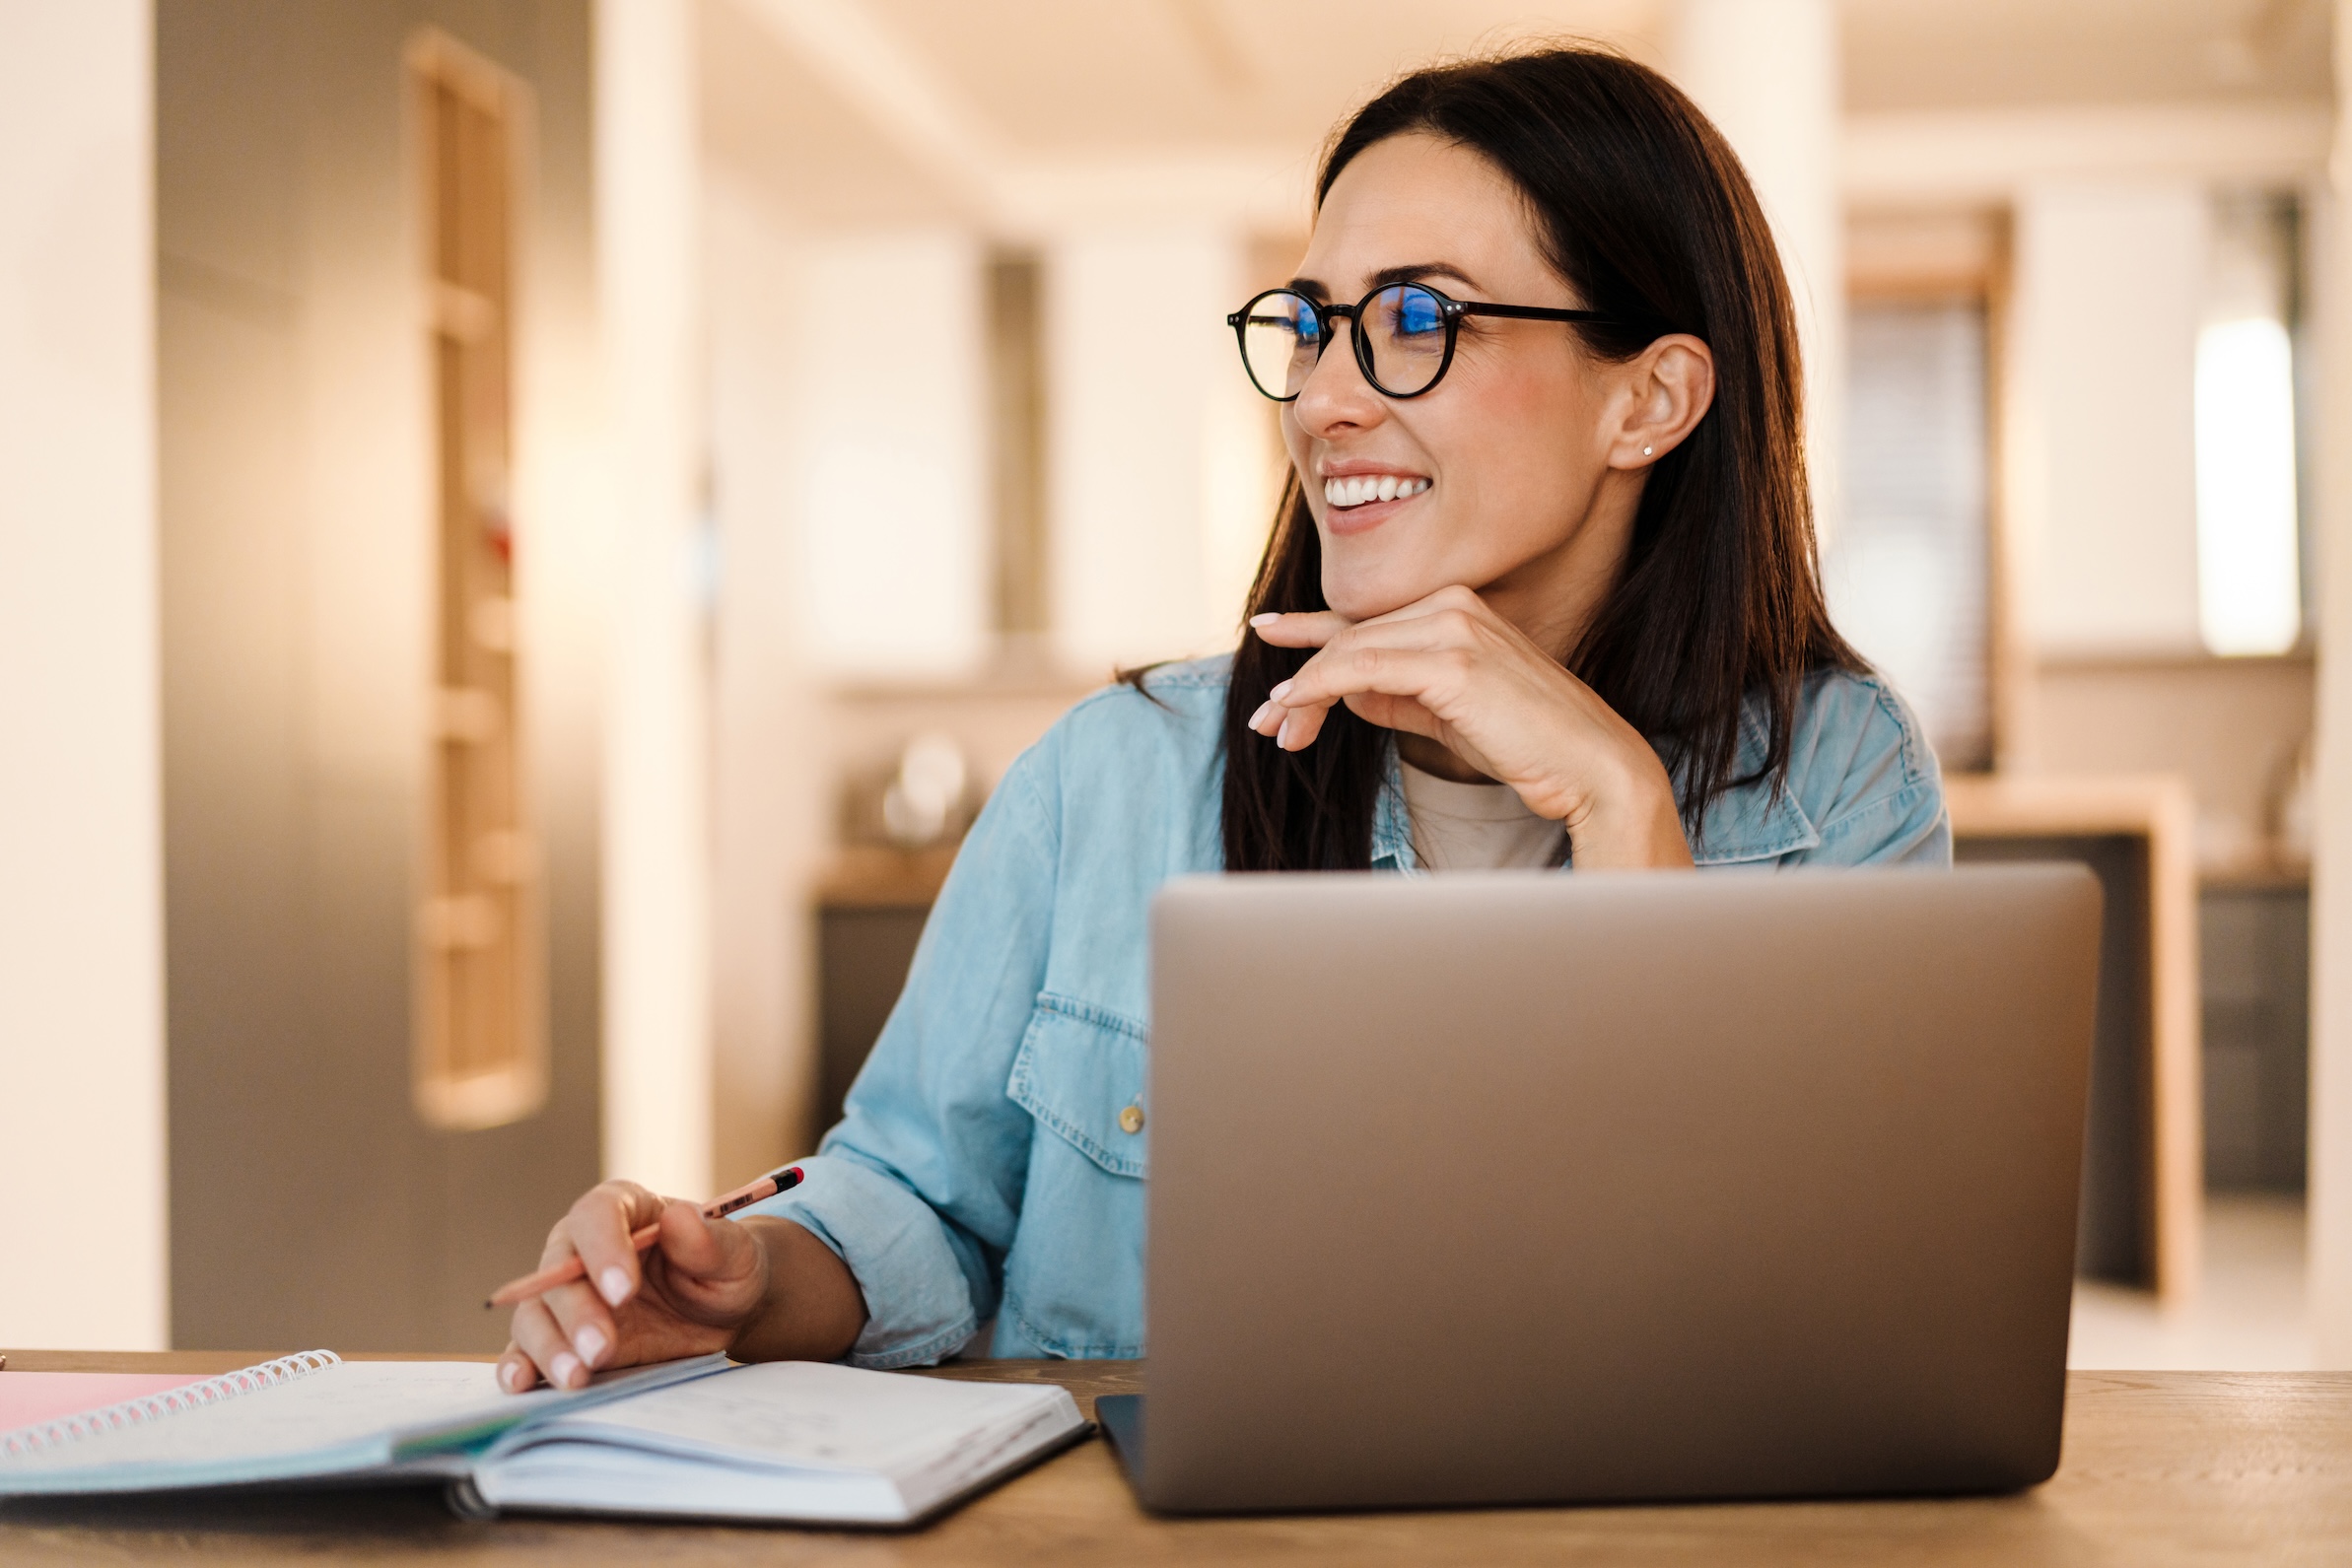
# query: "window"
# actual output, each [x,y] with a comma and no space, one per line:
[2249,590]
[1909,565]
[481,1057]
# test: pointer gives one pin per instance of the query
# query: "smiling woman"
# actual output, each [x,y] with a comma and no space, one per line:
[1542,586]
[1603,437]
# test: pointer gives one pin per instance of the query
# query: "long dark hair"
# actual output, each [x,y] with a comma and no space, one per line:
[1643,209]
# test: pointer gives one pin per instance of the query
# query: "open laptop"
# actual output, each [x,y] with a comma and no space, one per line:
[1516,1188]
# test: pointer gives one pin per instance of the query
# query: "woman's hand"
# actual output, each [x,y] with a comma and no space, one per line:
[760,1288]
[1450,668]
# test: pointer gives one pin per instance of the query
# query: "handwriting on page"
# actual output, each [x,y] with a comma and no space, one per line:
[805,1412]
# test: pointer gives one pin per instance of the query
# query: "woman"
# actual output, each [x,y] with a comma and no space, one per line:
[1542,591]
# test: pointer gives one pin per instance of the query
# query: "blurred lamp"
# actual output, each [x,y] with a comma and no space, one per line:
[923,802]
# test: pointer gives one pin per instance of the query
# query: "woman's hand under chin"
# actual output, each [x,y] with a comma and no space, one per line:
[1448,667]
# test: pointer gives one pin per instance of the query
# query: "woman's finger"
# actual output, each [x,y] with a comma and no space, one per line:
[1293,713]
[1431,631]
[1299,628]
[517,1372]
[1437,627]
[1396,699]
[538,1337]
[599,1228]
[1431,676]
[585,1322]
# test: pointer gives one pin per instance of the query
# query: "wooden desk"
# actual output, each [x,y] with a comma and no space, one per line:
[2161,1468]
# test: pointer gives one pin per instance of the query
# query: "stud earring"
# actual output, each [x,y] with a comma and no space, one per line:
[1645,451]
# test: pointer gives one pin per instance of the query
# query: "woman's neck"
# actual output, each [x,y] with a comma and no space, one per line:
[1431,757]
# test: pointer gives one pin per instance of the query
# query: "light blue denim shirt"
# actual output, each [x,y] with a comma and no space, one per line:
[981,1169]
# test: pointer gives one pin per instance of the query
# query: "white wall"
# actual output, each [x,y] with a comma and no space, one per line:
[1148,451]
[1983,156]
[880,339]
[81,1152]
[2331,1180]
[1767,73]
[2110,281]
[658,1072]
[770,782]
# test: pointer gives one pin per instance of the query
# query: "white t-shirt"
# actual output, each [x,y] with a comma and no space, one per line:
[1478,827]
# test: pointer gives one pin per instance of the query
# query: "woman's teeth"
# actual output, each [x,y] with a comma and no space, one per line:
[1364,488]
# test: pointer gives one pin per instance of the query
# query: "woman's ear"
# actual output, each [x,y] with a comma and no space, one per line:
[1665,390]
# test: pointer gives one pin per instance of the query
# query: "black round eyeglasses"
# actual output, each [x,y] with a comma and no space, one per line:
[1405,334]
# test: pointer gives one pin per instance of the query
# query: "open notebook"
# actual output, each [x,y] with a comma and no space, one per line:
[794,1440]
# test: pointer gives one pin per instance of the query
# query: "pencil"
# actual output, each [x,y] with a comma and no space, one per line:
[571,1268]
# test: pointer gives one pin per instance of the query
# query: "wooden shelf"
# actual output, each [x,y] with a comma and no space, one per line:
[870,876]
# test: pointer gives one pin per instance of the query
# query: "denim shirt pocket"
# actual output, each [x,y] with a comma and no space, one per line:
[1073,1280]
[1079,1072]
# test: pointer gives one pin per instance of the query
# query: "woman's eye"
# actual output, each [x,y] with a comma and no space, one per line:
[1417,313]
[1289,319]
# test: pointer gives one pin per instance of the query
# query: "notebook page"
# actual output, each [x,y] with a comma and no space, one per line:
[592,1478]
[350,1417]
[807,1414]
[341,1418]
[26,1398]
[1004,1446]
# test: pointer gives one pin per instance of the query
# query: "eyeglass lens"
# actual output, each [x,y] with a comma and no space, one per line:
[1401,335]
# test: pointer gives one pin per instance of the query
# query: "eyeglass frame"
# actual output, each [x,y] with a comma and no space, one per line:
[1449,309]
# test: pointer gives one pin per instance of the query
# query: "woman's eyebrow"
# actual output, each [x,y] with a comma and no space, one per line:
[1419,271]
[1413,272]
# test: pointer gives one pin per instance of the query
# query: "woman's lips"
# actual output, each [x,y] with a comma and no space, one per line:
[1370,515]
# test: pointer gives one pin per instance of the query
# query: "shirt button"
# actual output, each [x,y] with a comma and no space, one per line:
[1131,1118]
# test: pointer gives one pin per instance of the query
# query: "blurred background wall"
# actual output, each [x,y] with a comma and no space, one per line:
[848,393]
[81,918]
[297,415]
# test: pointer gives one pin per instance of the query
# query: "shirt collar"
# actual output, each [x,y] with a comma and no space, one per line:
[1392,822]
[1758,820]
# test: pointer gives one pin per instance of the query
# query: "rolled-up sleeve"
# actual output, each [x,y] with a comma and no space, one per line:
[918,1187]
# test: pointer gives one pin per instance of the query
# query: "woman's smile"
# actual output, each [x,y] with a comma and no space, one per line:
[1358,496]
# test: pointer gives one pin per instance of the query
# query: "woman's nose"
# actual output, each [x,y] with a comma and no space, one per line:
[1335,394]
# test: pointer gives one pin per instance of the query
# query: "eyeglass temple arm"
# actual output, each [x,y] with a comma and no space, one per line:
[1528,312]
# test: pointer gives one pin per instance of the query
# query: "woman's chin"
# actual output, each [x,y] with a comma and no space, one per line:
[1362,596]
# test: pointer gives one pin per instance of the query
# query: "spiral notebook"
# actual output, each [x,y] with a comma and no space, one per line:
[790,1441]
[301,1417]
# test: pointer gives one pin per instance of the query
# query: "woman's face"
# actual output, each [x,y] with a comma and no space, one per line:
[1531,483]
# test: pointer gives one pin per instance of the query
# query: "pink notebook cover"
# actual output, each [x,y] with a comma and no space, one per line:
[30,1396]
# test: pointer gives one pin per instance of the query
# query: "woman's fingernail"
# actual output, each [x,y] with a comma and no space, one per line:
[613,1285]
[1268,618]
[1277,694]
[511,1375]
[560,1370]
[590,1342]
[1259,717]
[1282,736]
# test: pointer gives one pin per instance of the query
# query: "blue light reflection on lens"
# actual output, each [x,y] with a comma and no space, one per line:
[1305,320]
[1414,311]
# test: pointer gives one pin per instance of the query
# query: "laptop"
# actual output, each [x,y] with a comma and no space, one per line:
[1514,1187]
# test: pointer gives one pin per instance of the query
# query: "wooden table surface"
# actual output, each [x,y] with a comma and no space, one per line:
[2161,1468]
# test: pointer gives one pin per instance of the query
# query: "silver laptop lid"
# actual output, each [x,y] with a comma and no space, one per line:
[1514,1187]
